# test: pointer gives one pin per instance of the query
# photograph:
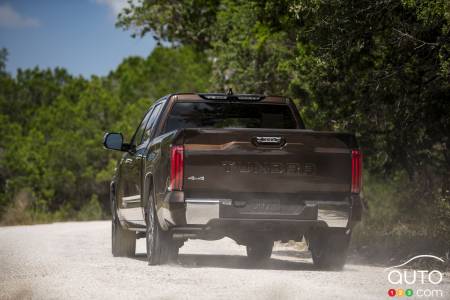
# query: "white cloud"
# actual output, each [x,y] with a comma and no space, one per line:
[9,18]
[115,6]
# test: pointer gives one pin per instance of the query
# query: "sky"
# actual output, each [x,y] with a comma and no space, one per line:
[79,35]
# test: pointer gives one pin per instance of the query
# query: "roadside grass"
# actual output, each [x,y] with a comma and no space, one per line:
[21,212]
[403,219]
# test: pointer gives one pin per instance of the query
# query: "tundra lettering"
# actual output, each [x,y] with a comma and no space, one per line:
[305,169]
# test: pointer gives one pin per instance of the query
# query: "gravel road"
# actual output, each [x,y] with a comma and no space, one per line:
[74,261]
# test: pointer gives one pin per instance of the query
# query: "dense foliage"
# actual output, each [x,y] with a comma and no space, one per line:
[378,68]
[52,164]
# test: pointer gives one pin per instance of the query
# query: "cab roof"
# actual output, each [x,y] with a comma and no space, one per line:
[228,97]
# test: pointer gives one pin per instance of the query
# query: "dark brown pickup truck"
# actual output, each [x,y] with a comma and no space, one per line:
[206,166]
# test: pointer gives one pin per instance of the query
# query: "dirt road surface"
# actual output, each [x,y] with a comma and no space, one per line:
[74,261]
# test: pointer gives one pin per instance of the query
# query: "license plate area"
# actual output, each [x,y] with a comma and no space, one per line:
[257,206]
[264,206]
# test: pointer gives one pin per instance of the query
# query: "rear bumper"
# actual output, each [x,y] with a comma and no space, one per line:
[204,212]
[207,212]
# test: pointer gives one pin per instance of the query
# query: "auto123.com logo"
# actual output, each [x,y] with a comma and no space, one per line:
[419,283]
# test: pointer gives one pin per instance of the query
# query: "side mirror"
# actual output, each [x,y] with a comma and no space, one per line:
[113,141]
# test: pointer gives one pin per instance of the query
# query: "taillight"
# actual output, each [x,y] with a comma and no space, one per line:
[176,168]
[356,171]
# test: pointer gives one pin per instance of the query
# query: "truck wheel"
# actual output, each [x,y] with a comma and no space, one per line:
[123,242]
[259,250]
[329,249]
[157,239]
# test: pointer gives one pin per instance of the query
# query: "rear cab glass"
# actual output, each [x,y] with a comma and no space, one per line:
[230,115]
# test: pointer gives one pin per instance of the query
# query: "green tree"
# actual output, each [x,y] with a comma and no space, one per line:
[52,125]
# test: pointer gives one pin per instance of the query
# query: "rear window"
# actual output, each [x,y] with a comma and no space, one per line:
[229,115]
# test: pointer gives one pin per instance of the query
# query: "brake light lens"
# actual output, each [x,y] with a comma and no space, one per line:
[356,171]
[176,168]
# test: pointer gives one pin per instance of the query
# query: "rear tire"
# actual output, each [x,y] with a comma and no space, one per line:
[329,248]
[123,241]
[157,240]
[259,250]
[174,250]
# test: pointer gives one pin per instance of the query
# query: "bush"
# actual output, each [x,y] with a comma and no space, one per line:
[90,211]
[24,211]
[403,219]
[18,212]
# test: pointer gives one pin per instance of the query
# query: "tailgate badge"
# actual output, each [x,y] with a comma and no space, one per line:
[194,178]
[268,139]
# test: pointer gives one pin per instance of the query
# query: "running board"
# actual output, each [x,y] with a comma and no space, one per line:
[131,200]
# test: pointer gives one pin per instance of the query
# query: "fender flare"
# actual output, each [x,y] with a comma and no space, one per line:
[148,186]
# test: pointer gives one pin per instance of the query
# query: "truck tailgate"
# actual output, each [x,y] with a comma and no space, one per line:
[265,161]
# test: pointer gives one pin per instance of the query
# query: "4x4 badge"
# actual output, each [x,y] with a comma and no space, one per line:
[202,178]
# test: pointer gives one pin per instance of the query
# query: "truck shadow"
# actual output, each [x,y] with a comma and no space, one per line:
[295,261]
[241,262]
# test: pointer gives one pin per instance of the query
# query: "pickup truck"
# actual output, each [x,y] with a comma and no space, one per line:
[243,166]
